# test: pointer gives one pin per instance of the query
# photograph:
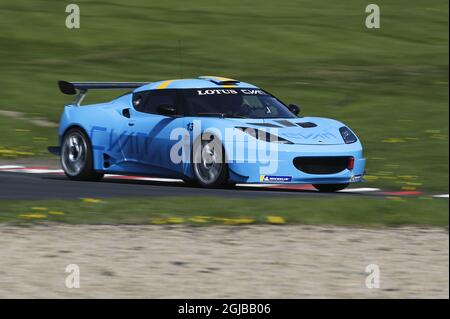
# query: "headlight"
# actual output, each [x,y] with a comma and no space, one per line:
[263,135]
[348,135]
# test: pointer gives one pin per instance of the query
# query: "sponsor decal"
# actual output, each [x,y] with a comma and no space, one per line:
[274,178]
[231,91]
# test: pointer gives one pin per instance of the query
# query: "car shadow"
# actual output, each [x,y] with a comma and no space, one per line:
[176,184]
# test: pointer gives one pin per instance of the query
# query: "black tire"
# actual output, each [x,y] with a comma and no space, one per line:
[194,183]
[190,182]
[330,188]
[219,177]
[76,156]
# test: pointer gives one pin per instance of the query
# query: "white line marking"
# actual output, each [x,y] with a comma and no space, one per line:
[257,185]
[31,170]
[6,167]
[39,171]
[142,178]
[441,196]
[359,190]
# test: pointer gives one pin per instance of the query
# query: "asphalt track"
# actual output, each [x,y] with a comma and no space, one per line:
[19,182]
[50,186]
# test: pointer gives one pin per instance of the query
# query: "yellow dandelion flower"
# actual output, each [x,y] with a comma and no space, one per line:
[32,216]
[159,221]
[228,221]
[408,176]
[52,212]
[439,137]
[242,220]
[92,200]
[175,220]
[393,140]
[5,151]
[275,220]
[199,219]
[384,173]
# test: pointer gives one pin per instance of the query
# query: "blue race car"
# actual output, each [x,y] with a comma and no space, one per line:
[210,131]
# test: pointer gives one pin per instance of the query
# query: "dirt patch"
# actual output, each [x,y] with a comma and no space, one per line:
[38,121]
[221,262]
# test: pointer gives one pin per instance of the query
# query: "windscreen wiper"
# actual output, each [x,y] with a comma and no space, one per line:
[222,115]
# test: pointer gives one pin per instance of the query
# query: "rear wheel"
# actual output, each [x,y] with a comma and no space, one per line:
[76,157]
[330,188]
[210,169]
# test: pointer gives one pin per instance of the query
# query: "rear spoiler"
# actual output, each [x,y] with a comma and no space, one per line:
[81,88]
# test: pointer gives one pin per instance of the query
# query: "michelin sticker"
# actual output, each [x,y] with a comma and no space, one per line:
[270,178]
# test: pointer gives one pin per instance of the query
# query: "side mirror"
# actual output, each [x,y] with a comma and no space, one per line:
[167,110]
[294,109]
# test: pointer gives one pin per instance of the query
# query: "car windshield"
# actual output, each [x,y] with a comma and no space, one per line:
[234,102]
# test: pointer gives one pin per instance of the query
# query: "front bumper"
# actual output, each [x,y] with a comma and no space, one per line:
[276,166]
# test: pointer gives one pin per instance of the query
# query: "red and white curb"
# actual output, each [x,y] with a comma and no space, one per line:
[305,187]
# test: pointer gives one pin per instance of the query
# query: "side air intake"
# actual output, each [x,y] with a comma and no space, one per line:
[307,124]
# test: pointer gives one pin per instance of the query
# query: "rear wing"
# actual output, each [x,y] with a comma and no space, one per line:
[80,88]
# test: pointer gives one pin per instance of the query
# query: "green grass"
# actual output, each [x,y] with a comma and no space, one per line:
[390,85]
[361,211]
[23,139]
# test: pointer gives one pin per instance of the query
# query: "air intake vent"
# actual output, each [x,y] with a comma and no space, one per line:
[264,124]
[219,80]
[106,160]
[322,164]
[307,124]
[285,123]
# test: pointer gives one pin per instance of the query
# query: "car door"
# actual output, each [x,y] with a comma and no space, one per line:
[148,142]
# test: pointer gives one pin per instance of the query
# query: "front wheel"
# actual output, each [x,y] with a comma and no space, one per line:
[76,157]
[210,169]
[330,188]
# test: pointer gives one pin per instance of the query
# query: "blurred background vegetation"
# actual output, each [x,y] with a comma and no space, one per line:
[389,84]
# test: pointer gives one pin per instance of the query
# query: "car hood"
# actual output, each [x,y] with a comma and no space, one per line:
[304,130]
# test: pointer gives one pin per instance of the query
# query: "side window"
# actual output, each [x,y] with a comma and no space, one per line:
[149,101]
[139,100]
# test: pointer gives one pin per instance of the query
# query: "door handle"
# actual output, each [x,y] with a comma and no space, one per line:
[130,123]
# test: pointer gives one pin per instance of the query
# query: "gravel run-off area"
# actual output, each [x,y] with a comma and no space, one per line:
[290,261]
